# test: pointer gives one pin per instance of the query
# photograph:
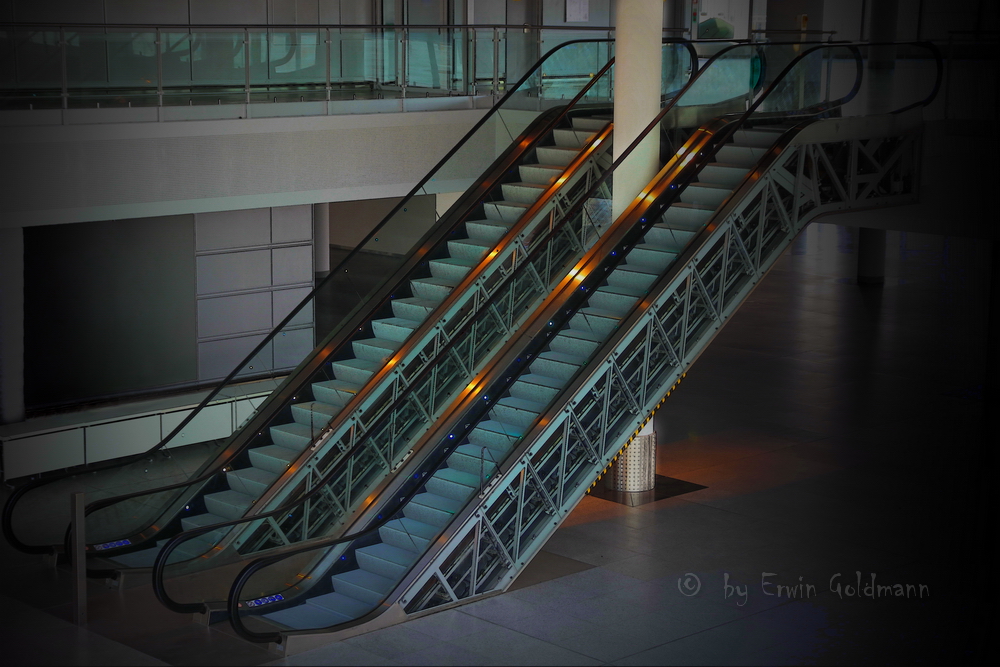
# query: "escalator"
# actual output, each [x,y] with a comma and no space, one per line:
[342,419]
[564,396]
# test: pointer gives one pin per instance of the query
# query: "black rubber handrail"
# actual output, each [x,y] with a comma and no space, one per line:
[469,424]
[10,505]
[720,137]
[188,483]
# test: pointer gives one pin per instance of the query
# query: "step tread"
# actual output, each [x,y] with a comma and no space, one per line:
[389,553]
[254,474]
[340,604]
[522,404]
[360,364]
[545,380]
[202,520]
[413,527]
[437,502]
[457,477]
[365,579]
[456,261]
[568,358]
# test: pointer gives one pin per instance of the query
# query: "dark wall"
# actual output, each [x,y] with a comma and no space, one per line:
[109,308]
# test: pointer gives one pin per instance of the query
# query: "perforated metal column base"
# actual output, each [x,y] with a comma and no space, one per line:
[635,469]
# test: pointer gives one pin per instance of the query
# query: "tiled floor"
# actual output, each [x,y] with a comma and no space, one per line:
[837,430]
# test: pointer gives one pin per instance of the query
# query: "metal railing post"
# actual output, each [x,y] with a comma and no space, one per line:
[329,66]
[78,557]
[64,73]
[403,62]
[496,61]
[159,68]
[246,64]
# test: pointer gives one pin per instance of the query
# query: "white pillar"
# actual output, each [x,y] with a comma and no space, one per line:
[11,325]
[638,31]
[321,237]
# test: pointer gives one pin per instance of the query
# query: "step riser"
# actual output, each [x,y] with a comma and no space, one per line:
[555,369]
[332,396]
[538,175]
[497,211]
[488,232]
[223,509]
[520,193]
[403,540]
[363,349]
[356,592]
[411,311]
[289,440]
[389,331]
[448,488]
[350,374]
[315,418]
[251,487]
[445,271]
[595,323]
[683,217]
[692,194]
[674,240]
[592,124]
[631,279]
[470,464]
[429,515]
[572,138]
[536,392]
[727,176]
[430,291]
[616,303]
[554,156]
[269,463]
[743,156]
[501,442]
[515,416]
[647,257]
[466,250]
[381,567]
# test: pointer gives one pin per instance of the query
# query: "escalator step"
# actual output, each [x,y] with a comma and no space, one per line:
[206,519]
[273,457]
[470,459]
[230,504]
[524,193]
[632,276]
[558,365]
[541,388]
[595,320]
[508,211]
[335,392]
[594,123]
[375,349]
[305,617]
[385,560]
[341,604]
[706,194]
[362,585]
[450,268]
[615,298]
[408,534]
[432,289]
[355,370]
[541,174]
[687,216]
[315,414]
[520,412]
[556,155]
[572,138]
[395,328]
[495,435]
[471,249]
[721,173]
[453,483]
[294,436]
[651,256]
[673,240]
[251,481]
[432,509]
[490,231]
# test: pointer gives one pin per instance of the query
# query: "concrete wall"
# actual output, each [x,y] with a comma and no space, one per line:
[61,174]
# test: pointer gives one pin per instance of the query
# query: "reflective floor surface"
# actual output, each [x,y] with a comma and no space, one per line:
[838,431]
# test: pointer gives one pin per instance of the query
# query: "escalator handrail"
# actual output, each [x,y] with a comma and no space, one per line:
[163,556]
[191,482]
[233,604]
[6,522]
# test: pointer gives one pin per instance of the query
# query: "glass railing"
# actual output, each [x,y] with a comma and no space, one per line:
[96,66]
[344,292]
[270,584]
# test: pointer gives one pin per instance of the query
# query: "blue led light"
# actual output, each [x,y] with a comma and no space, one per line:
[112,545]
[266,600]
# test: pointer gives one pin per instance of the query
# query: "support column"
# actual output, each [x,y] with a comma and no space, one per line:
[635,469]
[11,325]
[637,95]
[321,239]
[871,256]
[882,59]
